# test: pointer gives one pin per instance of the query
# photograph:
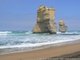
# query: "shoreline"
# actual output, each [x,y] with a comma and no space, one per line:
[45,52]
[29,49]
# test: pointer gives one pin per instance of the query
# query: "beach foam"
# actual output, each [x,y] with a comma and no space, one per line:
[18,40]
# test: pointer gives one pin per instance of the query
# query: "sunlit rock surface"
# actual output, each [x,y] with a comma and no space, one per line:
[45,21]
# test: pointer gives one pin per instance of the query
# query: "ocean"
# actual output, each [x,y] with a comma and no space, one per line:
[15,41]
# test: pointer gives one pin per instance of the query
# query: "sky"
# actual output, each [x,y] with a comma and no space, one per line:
[20,15]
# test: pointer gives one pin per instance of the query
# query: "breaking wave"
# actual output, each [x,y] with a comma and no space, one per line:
[29,32]
[13,39]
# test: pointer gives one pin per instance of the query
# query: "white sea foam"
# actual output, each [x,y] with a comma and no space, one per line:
[34,45]
[11,42]
[34,40]
[37,44]
[29,32]
[69,33]
[5,32]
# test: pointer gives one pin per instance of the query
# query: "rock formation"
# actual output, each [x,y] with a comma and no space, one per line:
[45,20]
[62,26]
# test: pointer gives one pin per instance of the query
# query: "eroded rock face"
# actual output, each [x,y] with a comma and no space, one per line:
[45,20]
[62,26]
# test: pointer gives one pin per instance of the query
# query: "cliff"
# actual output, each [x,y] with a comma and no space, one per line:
[45,20]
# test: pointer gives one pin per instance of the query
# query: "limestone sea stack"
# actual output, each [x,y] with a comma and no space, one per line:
[45,21]
[62,26]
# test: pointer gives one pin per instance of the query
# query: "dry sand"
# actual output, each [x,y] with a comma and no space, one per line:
[43,53]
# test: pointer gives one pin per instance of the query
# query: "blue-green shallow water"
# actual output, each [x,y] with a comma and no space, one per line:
[14,40]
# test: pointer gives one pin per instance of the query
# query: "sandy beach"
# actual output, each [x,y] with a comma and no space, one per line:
[41,54]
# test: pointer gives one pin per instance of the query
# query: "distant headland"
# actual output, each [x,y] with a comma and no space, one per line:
[46,21]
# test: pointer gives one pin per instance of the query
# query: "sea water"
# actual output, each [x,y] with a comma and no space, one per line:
[14,41]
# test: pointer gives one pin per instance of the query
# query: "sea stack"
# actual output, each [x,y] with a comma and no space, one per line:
[45,21]
[62,26]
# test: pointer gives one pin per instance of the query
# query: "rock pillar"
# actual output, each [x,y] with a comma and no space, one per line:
[45,20]
[62,26]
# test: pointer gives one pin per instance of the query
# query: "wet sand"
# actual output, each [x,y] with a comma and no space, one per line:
[42,54]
